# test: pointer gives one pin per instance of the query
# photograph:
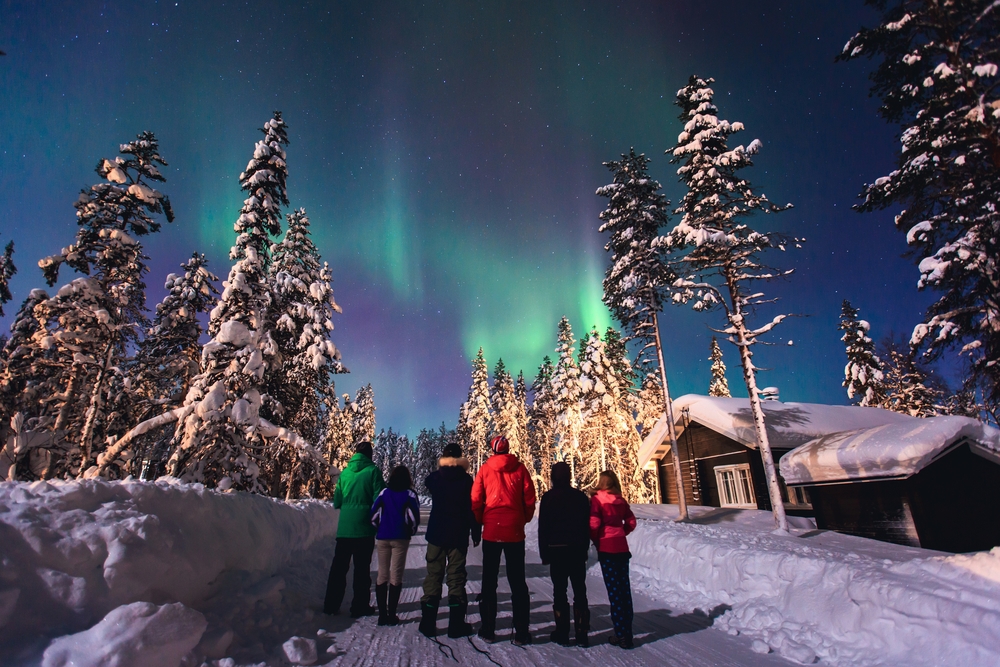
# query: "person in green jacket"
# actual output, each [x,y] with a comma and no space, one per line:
[359,484]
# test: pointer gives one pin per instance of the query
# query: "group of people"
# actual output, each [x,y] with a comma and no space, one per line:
[494,509]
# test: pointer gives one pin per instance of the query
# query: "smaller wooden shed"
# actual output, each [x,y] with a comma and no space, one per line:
[932,483]
[720,463]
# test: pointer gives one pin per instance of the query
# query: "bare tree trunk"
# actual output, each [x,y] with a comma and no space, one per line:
[770,473]
[669,412]
[95,398]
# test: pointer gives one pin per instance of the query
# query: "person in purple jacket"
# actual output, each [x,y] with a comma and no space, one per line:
[396,515]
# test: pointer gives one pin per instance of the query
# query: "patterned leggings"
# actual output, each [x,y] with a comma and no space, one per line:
[614,567]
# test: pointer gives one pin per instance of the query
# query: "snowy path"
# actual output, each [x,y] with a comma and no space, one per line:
[661,637]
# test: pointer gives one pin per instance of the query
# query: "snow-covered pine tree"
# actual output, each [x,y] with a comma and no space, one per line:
[462,435]
[363,415]
[643,484]
[219,441]
[7,271]
[302,310]
[906,386]
[386,451]
[568,395]
[300,319]
[542,426]
[478,413]
[503,400]
[718,386]
[717,255]
[599,437]
[82,334]
[168,358]
[938,80]
[634,284]
[521,417]
[426,451]
[338,439]
[863,372]
[16,357]
[220,435]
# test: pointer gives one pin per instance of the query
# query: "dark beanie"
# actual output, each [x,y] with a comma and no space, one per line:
[364,447]
[452,450]
[560,474]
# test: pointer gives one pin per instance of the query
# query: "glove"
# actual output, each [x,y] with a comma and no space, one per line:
[475,543]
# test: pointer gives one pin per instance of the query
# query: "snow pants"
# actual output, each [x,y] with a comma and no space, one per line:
[359,550]
[513,553]
[614,567]
[441,561]
[391,561]
[565,567]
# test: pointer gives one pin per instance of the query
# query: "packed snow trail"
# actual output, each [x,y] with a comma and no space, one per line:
[661,638]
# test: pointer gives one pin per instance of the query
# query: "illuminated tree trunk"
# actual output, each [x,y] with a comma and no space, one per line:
[669,412]
[770,473]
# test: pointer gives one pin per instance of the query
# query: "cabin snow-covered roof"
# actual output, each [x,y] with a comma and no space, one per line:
[788,424]
[895,450]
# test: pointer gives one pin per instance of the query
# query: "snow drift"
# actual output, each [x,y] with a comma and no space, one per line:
[836,598]
[74,551]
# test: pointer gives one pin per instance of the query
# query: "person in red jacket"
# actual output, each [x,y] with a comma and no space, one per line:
[611,519]
[503,501]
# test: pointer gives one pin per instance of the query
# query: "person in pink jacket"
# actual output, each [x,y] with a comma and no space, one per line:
[611,519]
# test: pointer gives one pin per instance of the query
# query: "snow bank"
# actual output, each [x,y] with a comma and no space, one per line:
[890,450]
[843,601]
[140,633]
[74,551]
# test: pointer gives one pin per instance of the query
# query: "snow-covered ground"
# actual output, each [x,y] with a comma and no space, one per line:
[164,574]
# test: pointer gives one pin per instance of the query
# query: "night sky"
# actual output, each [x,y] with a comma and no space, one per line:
[447,155]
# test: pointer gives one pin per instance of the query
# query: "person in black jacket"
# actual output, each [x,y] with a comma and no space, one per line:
[563,544]
[448,530]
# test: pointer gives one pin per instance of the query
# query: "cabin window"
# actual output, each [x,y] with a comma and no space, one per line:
[735,488]
[797,496]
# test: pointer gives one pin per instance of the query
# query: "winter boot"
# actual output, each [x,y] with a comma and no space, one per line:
[488,616]
[458,605]
[428,616]
[561,634]
[381,593]
[393,603]
[581,623]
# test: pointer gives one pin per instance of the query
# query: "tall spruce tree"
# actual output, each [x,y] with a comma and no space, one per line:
[71,365]
[937,79]
[478,412]
[717,254]
[542,425]
[863,376]
[718,386]
[338,438]
[521,415]
[568,394]
[599,393]
[635,282]
[302,312]
[503,400]
[168,357]
[363,415]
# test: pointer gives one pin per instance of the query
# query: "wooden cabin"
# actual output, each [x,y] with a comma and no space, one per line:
[931,483]
[720,463]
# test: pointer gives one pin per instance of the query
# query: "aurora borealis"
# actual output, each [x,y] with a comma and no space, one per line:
[447,154]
